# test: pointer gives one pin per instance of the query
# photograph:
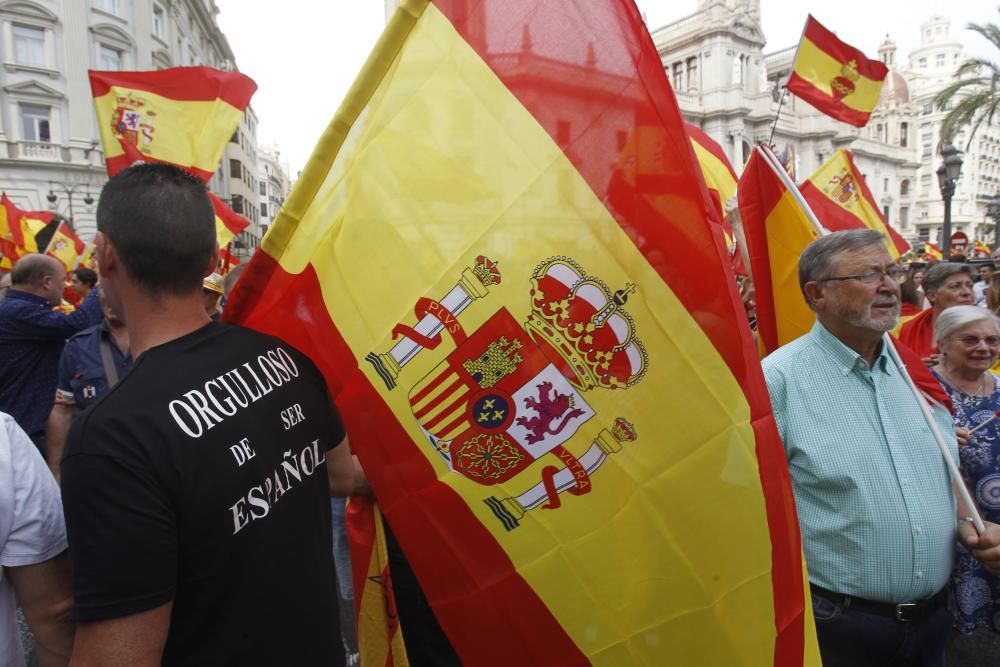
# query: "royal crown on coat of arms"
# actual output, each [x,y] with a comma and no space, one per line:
[578,318]
[512,393]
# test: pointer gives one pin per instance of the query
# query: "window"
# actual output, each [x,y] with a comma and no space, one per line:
[904,187]
[939,61]
[678,79]
[922,63]
[35,123]
[924,234]
[692,72]
[29,46]
[235,169]
[238,204]
[159,22]
[108,58]
[235,139]
[885,212]
[925,184]
[263,210]
[885,185]
[263,189]
[107,5]
[927,151]
[904,216]
[904,129]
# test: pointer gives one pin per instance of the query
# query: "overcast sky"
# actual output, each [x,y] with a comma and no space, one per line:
[305,54]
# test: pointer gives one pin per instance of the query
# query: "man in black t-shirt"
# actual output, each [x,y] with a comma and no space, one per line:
[196,491]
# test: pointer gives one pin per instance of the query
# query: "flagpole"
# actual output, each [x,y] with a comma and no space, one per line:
[784,91]
[956,476]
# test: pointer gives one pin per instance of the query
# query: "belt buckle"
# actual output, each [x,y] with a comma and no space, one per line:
[902,610]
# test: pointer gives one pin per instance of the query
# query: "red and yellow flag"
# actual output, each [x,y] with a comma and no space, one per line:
[835,77]
[183,115]
[719,175]
[981,248]
[228,223]
[840,198]
[65,246]
[777,229]
[538,348]
[933,252]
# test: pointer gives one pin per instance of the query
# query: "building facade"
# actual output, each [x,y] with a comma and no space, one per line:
[274,185]
[239,166]
[727,85]
[49,139]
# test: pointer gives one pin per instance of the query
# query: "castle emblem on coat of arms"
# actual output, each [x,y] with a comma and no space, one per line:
[510,393]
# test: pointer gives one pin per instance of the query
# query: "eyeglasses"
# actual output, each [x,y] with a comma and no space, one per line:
[973,341]
[895,273]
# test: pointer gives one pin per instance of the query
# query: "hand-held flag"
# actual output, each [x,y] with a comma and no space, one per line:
[835,77]
[839,196]
[182,115]
[537,344]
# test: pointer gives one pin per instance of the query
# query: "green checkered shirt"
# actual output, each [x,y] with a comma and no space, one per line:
[872,491]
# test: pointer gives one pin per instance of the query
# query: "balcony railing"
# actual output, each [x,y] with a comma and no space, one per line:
[38,150]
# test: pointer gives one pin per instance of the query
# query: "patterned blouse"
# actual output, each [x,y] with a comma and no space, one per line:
[975,593]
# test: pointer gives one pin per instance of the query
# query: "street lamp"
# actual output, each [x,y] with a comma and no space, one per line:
[993,213]
[69,189]
[948,173]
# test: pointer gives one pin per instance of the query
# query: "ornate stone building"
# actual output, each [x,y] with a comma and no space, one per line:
[729,86]
[274,185]
[49,140]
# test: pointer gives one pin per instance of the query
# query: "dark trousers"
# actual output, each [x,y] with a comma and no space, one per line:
[853,638]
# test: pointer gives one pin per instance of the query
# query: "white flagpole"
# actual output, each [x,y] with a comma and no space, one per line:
[956,476]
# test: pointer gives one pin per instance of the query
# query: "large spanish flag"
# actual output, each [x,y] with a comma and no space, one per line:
[538,348]
[183,115]
[778,227]
[835,77]
[840,198]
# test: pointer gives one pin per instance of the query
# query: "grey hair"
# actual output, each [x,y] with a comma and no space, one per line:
[816,261]
[951,319]
[940,272]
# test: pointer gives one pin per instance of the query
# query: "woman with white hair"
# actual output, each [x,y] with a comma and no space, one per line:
[968,339]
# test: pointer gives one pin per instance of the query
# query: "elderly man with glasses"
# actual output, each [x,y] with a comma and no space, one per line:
[875,504]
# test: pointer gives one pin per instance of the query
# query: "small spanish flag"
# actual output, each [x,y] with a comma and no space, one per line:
[183,115]
[228,223]
[931,250]
[840,198]
[835,77]
[981,248]
[65,246]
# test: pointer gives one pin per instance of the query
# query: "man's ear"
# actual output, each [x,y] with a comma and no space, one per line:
[213,264]
[813,292]
[107,255]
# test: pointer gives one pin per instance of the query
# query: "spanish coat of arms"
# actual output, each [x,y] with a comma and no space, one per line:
[509,395]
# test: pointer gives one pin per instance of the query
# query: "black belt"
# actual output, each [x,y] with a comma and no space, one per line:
[904,612]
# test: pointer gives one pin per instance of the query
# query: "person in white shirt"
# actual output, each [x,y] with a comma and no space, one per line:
[982,288]
[34,564]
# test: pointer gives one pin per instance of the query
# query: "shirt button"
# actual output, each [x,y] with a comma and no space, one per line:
[920,574]
[918,530]
[905,482]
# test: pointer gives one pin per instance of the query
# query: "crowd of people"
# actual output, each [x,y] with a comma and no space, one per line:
[166,478]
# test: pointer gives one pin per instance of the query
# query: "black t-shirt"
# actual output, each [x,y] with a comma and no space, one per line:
[201,478]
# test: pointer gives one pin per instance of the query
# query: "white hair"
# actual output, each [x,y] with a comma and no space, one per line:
[957,317]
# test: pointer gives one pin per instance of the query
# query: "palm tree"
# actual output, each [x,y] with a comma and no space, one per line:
[978,77]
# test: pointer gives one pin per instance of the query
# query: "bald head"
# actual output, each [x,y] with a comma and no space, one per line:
[40,275]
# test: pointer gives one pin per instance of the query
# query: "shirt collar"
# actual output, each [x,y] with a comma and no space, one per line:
[26,296]
[846,358]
